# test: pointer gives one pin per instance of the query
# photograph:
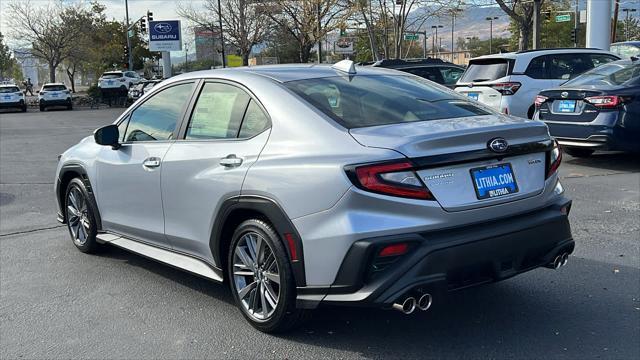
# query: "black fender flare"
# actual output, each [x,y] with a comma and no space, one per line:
[274,213]
[65,176]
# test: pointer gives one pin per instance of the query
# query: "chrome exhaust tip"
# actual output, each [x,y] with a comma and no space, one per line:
[407,306]
[425,301]
[565,259]
[557,262]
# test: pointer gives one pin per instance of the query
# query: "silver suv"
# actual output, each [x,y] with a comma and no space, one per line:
[309,185]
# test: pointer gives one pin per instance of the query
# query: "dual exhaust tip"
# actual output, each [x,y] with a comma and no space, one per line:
[560,261]
[410,304]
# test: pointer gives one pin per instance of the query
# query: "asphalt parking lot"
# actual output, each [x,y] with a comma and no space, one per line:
[56,302]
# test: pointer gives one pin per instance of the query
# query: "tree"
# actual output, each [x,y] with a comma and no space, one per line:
[308,21]
[479,47]
[50,30]
[521,14]
[9,67]
[243,21]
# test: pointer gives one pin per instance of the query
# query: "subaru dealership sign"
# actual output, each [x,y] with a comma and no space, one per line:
[165,35]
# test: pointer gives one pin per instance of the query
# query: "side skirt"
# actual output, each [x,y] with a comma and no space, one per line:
[177,260]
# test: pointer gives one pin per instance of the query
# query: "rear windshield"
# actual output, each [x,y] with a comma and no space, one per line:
[112,75]
[486,70]
[54,88]
[361,101]
[608,74]
[5,90]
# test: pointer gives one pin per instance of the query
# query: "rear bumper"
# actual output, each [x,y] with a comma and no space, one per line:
[61,102]
[608,131]
[448,260]
[16,104]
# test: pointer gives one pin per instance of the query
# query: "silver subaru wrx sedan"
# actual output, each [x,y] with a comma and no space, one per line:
[304,185]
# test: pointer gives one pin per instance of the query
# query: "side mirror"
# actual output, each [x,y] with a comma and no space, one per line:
[108,136]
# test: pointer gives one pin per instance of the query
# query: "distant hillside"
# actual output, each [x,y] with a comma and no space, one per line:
[470,22]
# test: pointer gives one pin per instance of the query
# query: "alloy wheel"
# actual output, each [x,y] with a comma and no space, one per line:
[78,217]
[256,276]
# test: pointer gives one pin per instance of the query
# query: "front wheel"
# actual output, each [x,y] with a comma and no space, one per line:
[261,278]
[578,152]
[81,220]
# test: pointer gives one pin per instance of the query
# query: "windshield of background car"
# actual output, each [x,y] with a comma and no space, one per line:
[486,70]
[5,90]
[54,88]
[361,101]
[625,51]
[112,75]
[609,74]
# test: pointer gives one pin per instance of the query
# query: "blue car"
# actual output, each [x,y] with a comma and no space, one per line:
[598,110]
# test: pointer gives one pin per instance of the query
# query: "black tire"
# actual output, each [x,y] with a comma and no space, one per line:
[42,108]
[24,108]
[88,243]
[285,315]
[70,107]
[578,152]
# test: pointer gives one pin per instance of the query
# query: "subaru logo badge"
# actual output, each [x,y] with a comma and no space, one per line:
[498,145]
[162,27]
[564,94]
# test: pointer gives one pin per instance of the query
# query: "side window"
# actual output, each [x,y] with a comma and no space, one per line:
[156,118]
[536,68]
[601,59]
[451,75]
[218,112]
[567,66]
[428,73]
[255,121]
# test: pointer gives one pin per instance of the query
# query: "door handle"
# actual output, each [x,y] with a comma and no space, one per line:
[152,162]
[231,161]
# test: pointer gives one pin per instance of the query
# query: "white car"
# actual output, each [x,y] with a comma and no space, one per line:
[12,97]
[510,82]
[118,80]
[54,94]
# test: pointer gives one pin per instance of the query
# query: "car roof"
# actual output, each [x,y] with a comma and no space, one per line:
[56,84]
[283,73]
[633,43]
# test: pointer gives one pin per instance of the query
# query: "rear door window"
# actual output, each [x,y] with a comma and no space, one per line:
[218,112]
[429,73]
[450,75]
[601,59]
[567,66]
[486,70]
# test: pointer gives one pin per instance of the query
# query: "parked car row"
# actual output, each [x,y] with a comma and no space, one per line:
[50,95]
[587,97]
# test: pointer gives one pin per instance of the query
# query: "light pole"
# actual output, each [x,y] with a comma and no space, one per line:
[490,19]
[129,60]
[626,22]
[453,26]
[186,58]
[435,38]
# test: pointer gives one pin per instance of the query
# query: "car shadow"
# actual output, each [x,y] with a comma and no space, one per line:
[614,161]
[194,282]
[541,314]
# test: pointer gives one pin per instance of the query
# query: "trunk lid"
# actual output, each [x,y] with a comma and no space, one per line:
[568,105]
[449,152]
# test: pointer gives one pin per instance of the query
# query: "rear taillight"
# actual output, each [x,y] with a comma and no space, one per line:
[554,158]
[540,99]
[507,88]
[605,102]
[390,178]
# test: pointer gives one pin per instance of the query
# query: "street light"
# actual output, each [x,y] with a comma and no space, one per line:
[453,26]
[490,19]
[434,39]
[626,22]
